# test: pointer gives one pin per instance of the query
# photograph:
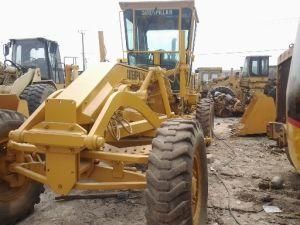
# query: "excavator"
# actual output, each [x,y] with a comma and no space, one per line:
[252,95]
[90,135]
[31,71]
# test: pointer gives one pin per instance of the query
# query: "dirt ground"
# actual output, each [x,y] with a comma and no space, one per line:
[244,165]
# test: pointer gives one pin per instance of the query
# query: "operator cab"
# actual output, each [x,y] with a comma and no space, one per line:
[36,53]
[256,66]
[293,87]
[152,32]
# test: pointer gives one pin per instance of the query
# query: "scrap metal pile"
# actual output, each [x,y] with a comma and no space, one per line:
[225,102]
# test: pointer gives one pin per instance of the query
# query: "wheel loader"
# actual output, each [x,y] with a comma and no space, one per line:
[33,71]
[286,130]
[250,95]
[89,135]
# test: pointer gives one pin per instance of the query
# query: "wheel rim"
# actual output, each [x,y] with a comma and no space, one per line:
[196,189]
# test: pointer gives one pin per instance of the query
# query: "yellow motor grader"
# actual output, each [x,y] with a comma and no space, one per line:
[251,95]
[113,116]
[33,71]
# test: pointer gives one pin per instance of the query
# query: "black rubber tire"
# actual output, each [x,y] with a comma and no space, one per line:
[15,203]
[222,89]
[36,94]
[9,120]
[169,176]
[205,115]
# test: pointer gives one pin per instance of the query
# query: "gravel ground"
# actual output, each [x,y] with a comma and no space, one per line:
[242,164]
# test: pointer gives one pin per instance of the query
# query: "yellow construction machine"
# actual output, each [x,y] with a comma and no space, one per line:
[286,129]
[251,95]
[205,76]
[113,116]
[31,71]
[257,96]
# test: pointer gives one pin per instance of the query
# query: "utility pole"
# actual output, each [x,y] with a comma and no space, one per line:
[82,46]
[102,49]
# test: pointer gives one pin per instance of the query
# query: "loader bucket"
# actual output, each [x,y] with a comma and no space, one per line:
[257,115]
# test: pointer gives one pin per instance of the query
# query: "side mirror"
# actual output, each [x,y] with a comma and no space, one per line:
[6,49]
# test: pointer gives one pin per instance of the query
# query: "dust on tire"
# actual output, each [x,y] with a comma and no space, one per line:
[170,172]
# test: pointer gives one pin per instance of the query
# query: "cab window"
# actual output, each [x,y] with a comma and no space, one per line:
[254,67]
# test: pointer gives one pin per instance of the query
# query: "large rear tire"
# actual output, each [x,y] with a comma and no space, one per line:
[177,183]
[36,94]
[205,115]
[15,203]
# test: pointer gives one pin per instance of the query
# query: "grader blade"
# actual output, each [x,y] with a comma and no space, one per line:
[257,115]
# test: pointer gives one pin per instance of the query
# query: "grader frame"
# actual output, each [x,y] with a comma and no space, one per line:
[91,133]
[62,140]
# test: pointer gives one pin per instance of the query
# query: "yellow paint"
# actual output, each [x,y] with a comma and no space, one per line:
[61,171]
[257,115]
[293,138]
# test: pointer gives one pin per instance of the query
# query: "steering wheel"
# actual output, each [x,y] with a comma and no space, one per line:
[17,66]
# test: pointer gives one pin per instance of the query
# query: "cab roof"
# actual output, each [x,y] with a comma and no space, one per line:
[285,55]
[32,39]
[257,56]
[153,4]
[158,4]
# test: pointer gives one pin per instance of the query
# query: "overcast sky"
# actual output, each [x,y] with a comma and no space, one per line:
[225,27]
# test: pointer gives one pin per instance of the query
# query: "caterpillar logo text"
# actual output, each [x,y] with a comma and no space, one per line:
[135,75]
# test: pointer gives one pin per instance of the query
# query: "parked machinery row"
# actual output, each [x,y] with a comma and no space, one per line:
[249,94]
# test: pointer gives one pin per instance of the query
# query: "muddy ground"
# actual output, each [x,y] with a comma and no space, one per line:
[253,162]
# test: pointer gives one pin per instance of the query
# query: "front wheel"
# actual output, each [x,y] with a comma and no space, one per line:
[177,183]
[15,203]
